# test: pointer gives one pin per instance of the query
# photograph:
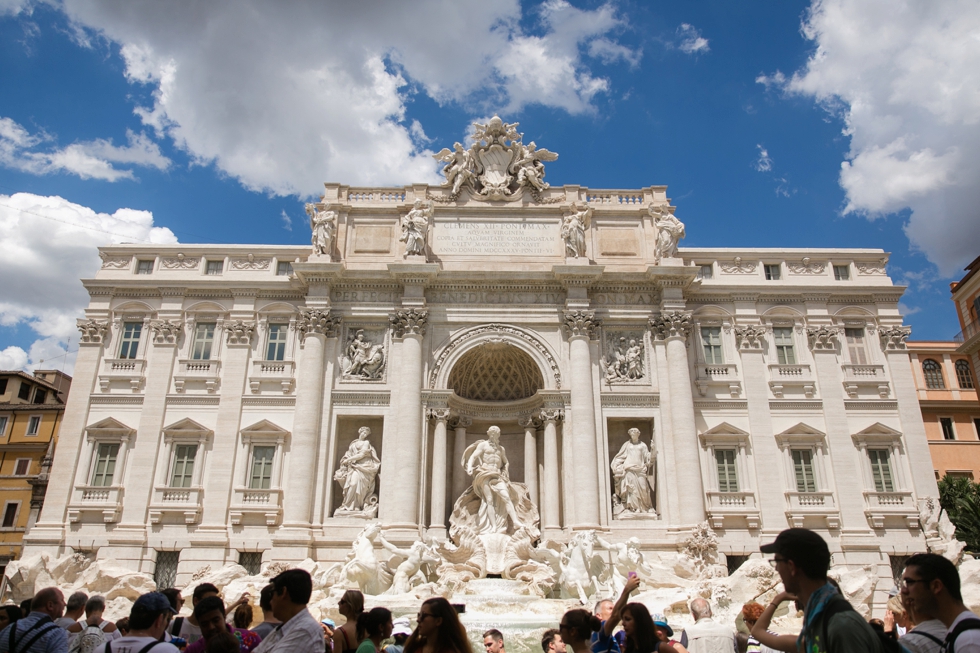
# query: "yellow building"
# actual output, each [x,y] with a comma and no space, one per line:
[31,408]
[966,297]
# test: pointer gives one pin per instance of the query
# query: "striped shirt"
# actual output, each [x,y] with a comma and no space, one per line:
[53,641]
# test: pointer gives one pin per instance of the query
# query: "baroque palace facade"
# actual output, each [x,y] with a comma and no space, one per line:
[219,390]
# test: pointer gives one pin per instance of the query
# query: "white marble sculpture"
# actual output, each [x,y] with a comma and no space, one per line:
[363,359]
[529,166]
[631,468]
[486,461]
[323,224]
[410,565]
[624,558]
[670,230]
[581,568]
[573,227]
[624,362]
[459,167]
[362,567]
[358,473]
[415,226]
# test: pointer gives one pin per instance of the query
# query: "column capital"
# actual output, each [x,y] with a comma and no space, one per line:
[750,337]
[893,338]
[93,331]
[672,324]
[460,422]
[409,321]
[551,414]
[166,332]
[439,414]
[823,338]
[529,422]
[240,332]
[582,323]
[316,320]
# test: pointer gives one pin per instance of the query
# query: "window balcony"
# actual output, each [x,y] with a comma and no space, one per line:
[281,373]
[264,504]
[881,505]
[857,377]
[123,370]
[724,506]
[800,505]
[184,501]
[96,499]
[201,372]
[792,376]
[723,375]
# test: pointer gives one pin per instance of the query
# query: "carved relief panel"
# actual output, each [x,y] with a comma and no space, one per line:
[364,357]
[623,356]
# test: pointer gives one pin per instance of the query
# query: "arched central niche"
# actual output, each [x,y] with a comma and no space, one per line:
[495,371]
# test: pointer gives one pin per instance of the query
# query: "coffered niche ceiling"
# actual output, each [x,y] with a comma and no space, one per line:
[495,371]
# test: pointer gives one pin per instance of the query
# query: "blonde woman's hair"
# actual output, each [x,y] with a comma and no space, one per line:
[895,605]
[354,600]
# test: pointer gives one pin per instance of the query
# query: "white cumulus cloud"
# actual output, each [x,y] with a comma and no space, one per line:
[21,150]
[764,162]
[690,39]
[905,77]
[48,244]
[283,96]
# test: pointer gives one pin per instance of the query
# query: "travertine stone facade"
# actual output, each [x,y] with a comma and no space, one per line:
[764,383]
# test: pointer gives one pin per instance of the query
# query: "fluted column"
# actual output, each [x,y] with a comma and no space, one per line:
[399,504]
[582,326]
[530,456]
[459,447]
[314,326]
[673,327]
[437,517]
[550,512]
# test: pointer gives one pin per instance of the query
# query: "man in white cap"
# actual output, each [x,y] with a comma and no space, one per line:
[400,630]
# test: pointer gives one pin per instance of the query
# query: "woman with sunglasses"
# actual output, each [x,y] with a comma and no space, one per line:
[438,630]
[641,634]
[576,628]
[351,607]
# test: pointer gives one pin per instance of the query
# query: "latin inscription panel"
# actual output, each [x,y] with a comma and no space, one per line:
[496,238]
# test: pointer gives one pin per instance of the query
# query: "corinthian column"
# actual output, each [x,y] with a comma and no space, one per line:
[460,425]
[550,487]
[399,501]
[673,327]
[314,326]
[437,518]
[530,456]
[582,327]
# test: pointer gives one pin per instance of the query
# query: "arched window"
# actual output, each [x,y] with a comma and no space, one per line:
[933,374]
[963,375]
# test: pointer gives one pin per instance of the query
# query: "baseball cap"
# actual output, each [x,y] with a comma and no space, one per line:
[799,544]
[328,622]
[660,620]
[401,626]
[153,602]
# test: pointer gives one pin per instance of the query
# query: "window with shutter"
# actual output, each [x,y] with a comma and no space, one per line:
[785,353]
[727,475]
[806,481]
[856,349]
[881,471]
[711,337]
[932,372]
[105,465]
[964,377]
[261,478]
[183,474]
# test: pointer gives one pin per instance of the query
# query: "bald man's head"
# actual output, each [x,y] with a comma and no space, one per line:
[700,609]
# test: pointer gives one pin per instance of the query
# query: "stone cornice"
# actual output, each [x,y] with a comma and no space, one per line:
[414,274]
[577,275]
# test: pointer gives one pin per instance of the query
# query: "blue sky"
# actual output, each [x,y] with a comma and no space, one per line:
[215,122]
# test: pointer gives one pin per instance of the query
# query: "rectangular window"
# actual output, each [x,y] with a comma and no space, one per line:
[25,391]
[22,467]
[183,475]
[881,470]
[203,339]
[842,272]
[705,272]
[105,465]
[727,476]
[165,573]
[276,350]
[772,271]
[10,514]
[284,268]
[130,339]
[855,346]
[33,424]
[40,394]
[711,338]
[3,386]
[976,425]
[215,268]
[3,425]
[947,424]
[144,267]
[806,481]
[785,353]
[261,478]
[252,561]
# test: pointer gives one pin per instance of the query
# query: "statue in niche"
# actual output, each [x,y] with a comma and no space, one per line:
[670,230]
[415,226]
[411,565]
[362,358]
[624,362]
[323,224]
[630,467]
[358,472]
[573,230]
[486,461]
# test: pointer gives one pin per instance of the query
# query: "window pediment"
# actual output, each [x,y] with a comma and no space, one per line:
[724,434]
[803,435]
[186,430]
[878,434]
[109,428]
[264,431]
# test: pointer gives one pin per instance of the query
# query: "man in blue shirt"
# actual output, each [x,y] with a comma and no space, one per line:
[37,632]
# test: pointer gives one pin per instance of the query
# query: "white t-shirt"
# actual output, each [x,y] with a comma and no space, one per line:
[968,641]
[188,631]
[135,645]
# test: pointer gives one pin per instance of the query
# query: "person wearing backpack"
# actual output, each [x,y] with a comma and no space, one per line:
[830,624]
[37,632]
[148,620]
[85,636]
[931,588]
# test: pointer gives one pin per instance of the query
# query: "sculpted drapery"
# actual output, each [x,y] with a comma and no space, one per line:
[358,471]
[630,468]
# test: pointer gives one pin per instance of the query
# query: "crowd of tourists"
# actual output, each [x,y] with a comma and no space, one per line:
[925,615]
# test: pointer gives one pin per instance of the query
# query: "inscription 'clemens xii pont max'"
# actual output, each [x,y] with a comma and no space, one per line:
[496,238]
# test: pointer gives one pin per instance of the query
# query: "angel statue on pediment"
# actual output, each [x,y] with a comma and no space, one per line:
[323,224]
[529,166]
[459,166]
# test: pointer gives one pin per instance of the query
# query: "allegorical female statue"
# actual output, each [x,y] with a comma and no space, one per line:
[670,230]
[630,468]
[415,225]
[573,230]
[358,472]
[323,225]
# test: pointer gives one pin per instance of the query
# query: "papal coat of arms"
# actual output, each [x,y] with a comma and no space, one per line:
[498,166]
